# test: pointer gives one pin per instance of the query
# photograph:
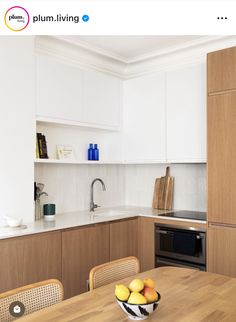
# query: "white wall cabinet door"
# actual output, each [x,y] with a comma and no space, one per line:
[186,114]
[144,119]
[66,92]
[102,99]
[59,90]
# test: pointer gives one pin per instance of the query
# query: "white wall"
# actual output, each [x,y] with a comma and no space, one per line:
[189,184]
[16,126]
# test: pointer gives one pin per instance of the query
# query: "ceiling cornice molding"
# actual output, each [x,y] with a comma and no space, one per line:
[185,57]
[86,46]
[77,55]
[140,58]
[173,49]
[85,56]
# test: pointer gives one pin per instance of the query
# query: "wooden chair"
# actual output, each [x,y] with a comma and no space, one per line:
[30,298]
[113,271]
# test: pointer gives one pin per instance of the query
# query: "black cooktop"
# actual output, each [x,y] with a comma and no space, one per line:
[187,214]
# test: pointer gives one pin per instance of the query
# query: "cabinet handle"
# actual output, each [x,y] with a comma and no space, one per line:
[213,225]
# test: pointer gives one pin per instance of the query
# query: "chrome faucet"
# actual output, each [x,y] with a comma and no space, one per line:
[92,204]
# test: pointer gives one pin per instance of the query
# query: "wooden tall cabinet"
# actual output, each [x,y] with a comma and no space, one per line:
[29,259]
[221,68]
[222,158]
[82,249]
[221,142]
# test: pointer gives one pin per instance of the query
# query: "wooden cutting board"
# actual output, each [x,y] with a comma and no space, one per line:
[165,193]
[155,194]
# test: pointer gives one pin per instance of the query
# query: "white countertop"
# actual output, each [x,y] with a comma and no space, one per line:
[82,218]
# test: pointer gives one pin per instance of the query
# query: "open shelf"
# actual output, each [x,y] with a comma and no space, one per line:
[68,123]
[57,161]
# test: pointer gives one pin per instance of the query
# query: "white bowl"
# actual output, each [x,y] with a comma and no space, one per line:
[139,311]
[13,222]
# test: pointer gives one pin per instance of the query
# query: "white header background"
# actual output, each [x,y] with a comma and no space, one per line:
[128,17]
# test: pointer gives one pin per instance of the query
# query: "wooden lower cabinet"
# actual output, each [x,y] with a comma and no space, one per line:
[29,259]
[221,250]
[82,249]
[124,238]
[69,255]
[146,243]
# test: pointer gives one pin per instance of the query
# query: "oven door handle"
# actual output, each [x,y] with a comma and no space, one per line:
[164,232]
[199,236]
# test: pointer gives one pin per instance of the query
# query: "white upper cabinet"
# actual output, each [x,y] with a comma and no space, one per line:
[76,95]
[59,90]
[163,114]
[186,114]
[102,99]
[144,119]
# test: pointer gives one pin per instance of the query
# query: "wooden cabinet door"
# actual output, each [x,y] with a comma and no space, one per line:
[146,243]
[221,250]
[82,249]
[221,70]
[221,158]
[186,114]
[124,238]
[30,259]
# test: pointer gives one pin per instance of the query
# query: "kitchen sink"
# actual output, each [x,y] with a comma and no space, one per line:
[112,213]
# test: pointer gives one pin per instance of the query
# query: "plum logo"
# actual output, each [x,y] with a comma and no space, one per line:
[17,18]
[17,309]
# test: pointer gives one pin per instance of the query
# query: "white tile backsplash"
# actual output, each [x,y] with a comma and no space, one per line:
[189,184]
[68,186]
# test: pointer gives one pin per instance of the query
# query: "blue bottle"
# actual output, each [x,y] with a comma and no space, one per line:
[90,152]
[95,152]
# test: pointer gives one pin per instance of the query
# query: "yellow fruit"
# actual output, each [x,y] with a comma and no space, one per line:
[148,282]
[136,285]
[122,292]
[137,298]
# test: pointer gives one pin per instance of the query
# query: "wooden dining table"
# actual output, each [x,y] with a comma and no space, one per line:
[187,295]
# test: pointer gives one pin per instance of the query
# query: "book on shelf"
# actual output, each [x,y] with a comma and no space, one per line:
[41,146]
[37,148]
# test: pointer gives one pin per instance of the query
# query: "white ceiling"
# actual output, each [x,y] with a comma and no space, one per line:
[134,48]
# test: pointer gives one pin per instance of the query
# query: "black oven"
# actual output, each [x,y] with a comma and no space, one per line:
[180,246]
